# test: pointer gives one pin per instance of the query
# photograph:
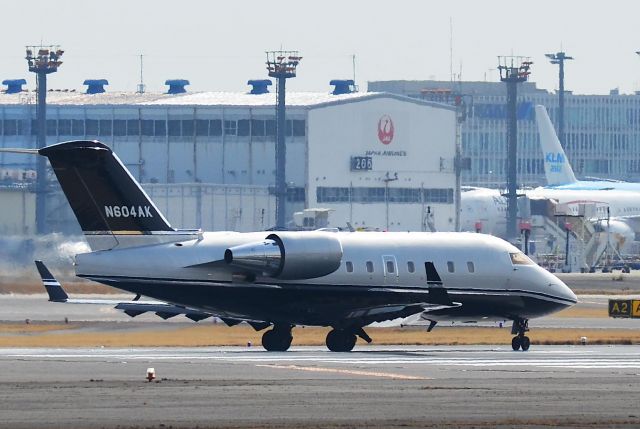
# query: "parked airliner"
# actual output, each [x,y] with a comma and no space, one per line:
[345,280]
[485,209]
[557,168]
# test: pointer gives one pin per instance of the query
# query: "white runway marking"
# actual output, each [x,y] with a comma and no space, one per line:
[570,358]
[347,372]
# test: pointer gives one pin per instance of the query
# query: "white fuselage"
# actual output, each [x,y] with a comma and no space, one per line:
[471,267]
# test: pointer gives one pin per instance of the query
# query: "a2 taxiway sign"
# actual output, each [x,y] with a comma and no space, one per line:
[624,308]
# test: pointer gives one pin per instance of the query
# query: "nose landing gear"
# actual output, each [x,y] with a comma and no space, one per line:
[520,341]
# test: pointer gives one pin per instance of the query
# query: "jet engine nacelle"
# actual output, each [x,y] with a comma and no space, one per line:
[289,255]
[621,234]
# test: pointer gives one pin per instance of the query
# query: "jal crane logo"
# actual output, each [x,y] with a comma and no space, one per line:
[385,129]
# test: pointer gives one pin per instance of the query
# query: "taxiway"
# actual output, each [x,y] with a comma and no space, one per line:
[466,386]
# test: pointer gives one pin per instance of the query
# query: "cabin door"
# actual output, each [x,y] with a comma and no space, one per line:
[390,269]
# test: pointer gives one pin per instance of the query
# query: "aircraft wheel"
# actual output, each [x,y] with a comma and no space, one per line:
[515,343]
[525,343]
[276,340]
[339,340]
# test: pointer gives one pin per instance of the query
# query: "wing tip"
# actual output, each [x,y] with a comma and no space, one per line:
[52,286]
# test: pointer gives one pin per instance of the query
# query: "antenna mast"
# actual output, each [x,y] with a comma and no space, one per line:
[353,59]
[141,86]
[451,49]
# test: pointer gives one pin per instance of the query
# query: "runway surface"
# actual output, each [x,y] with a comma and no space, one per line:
[477,386]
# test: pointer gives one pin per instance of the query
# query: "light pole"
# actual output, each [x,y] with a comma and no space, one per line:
[513,70]
[42,60]
[559,58]
[387,179]
[281,65]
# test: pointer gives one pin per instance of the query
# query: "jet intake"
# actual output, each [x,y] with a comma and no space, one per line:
[289,256]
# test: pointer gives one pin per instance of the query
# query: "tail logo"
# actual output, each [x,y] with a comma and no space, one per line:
[124,211]
[556,159]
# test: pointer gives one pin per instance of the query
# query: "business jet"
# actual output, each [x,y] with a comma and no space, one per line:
[557,168]
[344,280]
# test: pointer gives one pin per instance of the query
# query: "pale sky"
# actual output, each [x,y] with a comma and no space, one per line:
[219,45]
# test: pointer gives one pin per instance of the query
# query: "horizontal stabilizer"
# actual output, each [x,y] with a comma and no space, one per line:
[20,151]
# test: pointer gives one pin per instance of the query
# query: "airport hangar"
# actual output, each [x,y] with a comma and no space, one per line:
[376,160]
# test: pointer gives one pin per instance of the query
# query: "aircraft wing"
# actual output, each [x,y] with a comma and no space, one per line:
[633,220]
[402,303]
[132,308]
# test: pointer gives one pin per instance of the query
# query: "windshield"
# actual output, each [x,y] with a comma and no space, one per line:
[520,258]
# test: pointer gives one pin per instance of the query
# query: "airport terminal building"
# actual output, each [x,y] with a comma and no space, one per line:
[602,131]
[374,160]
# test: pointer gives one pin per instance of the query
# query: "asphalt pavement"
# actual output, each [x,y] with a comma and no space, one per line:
[478,386]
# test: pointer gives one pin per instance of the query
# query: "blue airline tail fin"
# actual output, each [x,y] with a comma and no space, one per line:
[556,164]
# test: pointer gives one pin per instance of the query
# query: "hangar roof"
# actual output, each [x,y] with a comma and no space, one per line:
[227,99]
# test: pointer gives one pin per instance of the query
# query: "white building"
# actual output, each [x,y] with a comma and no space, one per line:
[382,161]
[208,159]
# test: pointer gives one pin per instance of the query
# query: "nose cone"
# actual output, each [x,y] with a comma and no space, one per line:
[566,292]
[547,293]
[558,289]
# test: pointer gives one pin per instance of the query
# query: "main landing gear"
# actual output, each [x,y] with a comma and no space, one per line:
[343,340]
[277,339]
[520,341]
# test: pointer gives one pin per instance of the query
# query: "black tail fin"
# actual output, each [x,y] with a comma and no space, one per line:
[54,289]
[103,195]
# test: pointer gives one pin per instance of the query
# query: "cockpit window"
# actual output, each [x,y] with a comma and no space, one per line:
[520,258]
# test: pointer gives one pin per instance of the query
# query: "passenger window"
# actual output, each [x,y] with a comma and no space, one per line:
[470,267]
[410,267]
[349,266]
[369,266]
[390,267]
[450,267]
